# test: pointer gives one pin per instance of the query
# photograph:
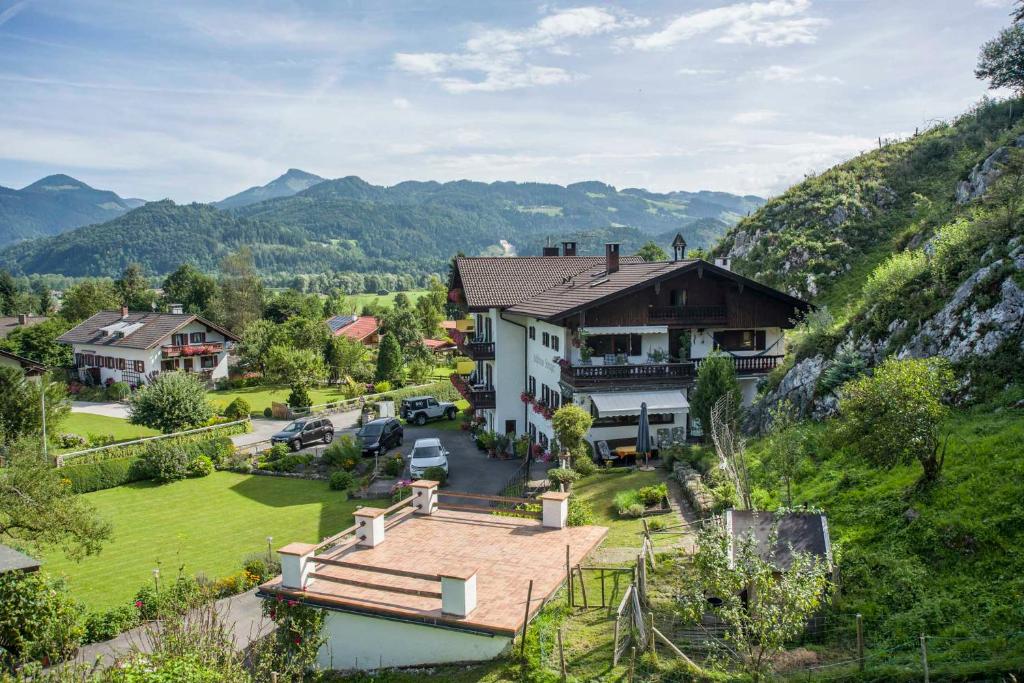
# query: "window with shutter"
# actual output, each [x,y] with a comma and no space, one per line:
[554,343]
[140,366]
[197,337]
[533,332]
[121,363]
[545,339]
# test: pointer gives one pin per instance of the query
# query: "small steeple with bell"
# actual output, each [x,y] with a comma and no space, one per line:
[678,248]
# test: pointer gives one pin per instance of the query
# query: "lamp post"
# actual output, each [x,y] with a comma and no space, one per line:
[270,553]
[42,400]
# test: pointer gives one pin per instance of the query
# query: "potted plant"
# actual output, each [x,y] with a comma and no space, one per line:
[657,356]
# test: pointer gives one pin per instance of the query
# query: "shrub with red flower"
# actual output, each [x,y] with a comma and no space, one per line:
[299,630]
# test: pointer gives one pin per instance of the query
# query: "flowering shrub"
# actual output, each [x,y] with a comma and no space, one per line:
[401,490]
[298,633]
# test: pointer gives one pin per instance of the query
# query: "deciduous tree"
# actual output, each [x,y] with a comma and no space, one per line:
[571,424]
[1001,61]
[21,404]
[87,298]
[240,291]
[191,288]
[895,415]
[133,289]
[785,446]
[652,252]
[174,401]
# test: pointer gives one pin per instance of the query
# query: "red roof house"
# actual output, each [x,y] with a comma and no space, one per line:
[362,328]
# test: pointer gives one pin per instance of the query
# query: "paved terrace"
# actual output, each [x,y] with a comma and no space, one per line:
[504,552]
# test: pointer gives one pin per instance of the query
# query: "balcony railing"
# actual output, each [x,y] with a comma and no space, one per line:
[688,314]
[659,373]
[752,365]
[203,349]
[479,396]
[478,350]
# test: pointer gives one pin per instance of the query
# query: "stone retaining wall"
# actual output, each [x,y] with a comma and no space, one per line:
[696,492]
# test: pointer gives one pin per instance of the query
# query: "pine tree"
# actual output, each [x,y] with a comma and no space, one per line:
[389,360]
[716,378]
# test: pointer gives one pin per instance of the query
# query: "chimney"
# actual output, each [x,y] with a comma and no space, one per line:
[611,257]
[177,309]
[124,312]
[550,251]
[23,318]
[722,262]
[568,248]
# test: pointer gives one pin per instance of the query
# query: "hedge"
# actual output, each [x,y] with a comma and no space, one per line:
[107,474]
[443,391]
[86,477]
[115,452]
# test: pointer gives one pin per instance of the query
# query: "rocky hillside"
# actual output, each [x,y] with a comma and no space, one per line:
[914,249]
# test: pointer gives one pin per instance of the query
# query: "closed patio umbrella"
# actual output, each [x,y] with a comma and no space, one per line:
[643,434]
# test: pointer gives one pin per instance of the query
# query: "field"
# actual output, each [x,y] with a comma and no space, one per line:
[261,397]
[85,424]
[385,300]
[199,525]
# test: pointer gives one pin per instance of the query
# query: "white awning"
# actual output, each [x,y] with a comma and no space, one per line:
[628,329]
[628,403]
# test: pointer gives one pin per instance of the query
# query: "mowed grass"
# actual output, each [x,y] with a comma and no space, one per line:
[600,489]
[385,300]
[261,397]
[204,525]
[84,424]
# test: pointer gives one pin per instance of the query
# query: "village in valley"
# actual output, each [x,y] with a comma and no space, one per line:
[325,430]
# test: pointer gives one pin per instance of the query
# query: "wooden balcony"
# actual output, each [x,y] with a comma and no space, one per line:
[478,350]
[480,397]
[580,376]
[688,315]
[752,365]
[201,349]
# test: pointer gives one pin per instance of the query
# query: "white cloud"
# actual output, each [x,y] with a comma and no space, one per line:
[996,4]
[401,103]
[9,13]
[789,74]
[698,72]
[773,24]
[755,117]
[502,58]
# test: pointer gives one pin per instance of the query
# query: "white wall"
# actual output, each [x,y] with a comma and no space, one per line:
[356,641]
[509,375]
[541,365]
[649,342]
[701,345]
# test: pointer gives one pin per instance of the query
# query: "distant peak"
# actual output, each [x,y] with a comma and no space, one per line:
[298,173]
[58,181]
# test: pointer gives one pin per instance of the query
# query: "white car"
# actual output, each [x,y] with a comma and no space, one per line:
[427,453]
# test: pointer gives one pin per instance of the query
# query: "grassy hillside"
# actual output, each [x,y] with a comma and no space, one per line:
[945,562]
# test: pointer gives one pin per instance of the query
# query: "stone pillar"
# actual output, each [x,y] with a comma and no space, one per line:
[370,523]
[556,509]
[458,593]
[424,496]
[296,564]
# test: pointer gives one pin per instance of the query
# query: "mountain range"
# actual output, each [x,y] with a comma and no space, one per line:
[54,204]
[300,223]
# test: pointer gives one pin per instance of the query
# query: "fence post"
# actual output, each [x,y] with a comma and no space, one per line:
[924,657]
[654,652]
[632,662]
[583,586]
[568,576]
[526,619]
[860,641]
[602,587]
[561,654]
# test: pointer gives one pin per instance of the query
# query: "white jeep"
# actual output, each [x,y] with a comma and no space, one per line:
[419,409]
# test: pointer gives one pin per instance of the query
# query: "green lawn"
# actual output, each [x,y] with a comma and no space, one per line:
[204,525]
[84,424]
[600,489]
[386,300]
[262,396]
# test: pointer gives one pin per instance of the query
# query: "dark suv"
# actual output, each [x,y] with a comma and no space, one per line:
[303,432]
[379,435]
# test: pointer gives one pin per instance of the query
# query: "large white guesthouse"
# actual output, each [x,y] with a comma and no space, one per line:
[608,334]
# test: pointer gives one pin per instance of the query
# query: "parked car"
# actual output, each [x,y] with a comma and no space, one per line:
[427,453]
[303,432]
[381,434]
[419,409]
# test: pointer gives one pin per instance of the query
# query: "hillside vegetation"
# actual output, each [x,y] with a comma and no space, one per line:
[350,225]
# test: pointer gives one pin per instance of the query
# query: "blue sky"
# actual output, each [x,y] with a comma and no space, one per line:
[197,100]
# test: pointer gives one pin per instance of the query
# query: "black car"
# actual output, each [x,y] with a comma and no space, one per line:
[380,435]
[303,432]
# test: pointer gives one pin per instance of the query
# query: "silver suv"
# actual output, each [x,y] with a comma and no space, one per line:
[419,409]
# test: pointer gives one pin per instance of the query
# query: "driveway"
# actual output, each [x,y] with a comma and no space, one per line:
[109,409]
[469,468]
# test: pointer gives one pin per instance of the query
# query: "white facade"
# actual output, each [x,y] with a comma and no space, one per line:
[192,348]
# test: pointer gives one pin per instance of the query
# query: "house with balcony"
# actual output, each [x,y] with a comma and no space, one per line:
[609,334]
[134,347]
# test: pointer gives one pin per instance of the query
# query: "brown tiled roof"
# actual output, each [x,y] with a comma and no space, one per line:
[503,281]
[593,286]
[27,364]
[506,553]
[10,323]
[155,326]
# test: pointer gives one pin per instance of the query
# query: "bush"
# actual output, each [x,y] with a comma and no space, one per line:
[219,434]
[165,462]
[299,397]
[262,566]
[70,441]
[267,412]
[437,474]
[119,391]
[344,452]
[635,510]
[653,495]
[393,466]
[584,465]
[288,463]
[625,500]
[238,409]
[382,387]
[181,595]
[97,476]
[173,402]
[581,513]
[38,619]
[101,626]
[278,451]
[562,475]
[201,466]
[886,282]
[657,524]
[341,480]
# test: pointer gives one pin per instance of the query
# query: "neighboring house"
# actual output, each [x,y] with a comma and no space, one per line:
[439,346]
[13,561]
[361,328]
[609,334]
[134,347]
[10,323]
[424,583]
[29,367]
